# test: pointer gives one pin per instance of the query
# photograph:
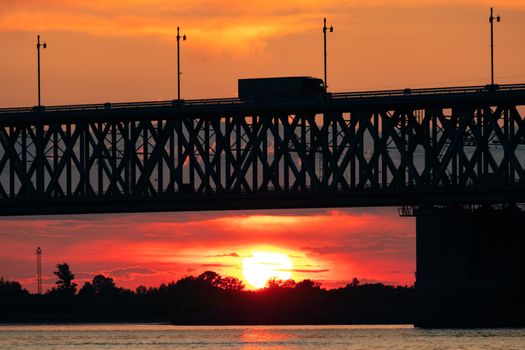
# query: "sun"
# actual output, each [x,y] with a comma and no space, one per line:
[261,266]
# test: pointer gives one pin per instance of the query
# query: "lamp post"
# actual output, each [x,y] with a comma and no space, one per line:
[491,20]
[324,37]
[178,61]
[38,45]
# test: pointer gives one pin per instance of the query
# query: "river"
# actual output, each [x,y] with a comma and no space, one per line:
[146,337]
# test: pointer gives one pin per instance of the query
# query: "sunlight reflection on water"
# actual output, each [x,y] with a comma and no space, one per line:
[126,337]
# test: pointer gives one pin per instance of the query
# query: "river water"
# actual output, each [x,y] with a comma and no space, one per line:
[113,337]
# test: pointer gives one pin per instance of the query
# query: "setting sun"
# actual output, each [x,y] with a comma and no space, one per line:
[261,266]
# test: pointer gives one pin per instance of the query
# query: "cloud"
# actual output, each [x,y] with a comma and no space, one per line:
[119,274]
[215,265]
[374,281]
[127,272]
[368,242]
[238,24]
[233,255]
[305,270]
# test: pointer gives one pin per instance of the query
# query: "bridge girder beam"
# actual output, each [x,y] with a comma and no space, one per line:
[376,152]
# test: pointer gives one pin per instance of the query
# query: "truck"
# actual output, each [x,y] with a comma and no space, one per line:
[280,89]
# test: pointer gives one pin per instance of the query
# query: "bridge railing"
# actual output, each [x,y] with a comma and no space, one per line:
[232,101]
[121,105]
[428,91]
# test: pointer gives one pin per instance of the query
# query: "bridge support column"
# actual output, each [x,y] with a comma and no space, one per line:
[470,267]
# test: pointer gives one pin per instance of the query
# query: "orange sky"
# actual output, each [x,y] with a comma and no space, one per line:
[108,50]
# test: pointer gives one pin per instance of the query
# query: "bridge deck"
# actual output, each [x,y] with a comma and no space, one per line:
[379,97]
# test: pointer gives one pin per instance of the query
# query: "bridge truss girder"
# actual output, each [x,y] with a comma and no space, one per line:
[319,155]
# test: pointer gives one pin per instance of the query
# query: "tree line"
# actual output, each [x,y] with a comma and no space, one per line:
[208,298]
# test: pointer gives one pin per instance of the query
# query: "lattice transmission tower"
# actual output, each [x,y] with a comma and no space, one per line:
[39,269]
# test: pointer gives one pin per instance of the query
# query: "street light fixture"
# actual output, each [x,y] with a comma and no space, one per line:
[178,61]
[491,20]
[331,29]
[38,45]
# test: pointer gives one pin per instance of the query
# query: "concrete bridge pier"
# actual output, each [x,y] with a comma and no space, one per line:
[470,267]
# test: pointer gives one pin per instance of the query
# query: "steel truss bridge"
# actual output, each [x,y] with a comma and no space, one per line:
[462,145]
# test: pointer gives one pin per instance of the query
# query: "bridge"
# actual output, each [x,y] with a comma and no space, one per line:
[452,157]
[412,147]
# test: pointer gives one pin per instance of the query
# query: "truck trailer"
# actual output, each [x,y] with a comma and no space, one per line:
[280,89]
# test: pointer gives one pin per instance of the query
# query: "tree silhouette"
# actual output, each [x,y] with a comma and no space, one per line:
[214,280]
[210,278]
[307,284]
[355,283]
[275,283]
[208,299]
[87,289]
[103,285]
[141,290]
[11,288]
[65,279]
[231,283]
[187,282]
